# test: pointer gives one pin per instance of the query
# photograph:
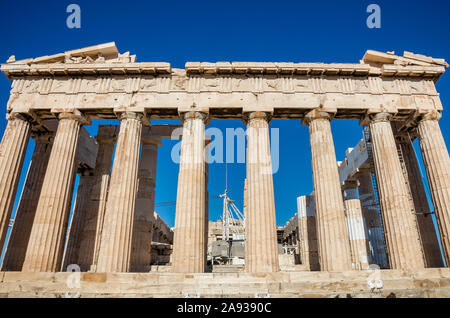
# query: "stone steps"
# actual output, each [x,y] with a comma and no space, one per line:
[425,283]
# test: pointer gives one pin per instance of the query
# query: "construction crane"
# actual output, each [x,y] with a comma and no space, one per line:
[232,218]
[230,249]
[230,214]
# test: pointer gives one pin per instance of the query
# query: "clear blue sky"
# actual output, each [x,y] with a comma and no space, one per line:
[180,31]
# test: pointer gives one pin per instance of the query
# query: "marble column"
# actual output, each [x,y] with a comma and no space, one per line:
[306,213]
[372,219]
[23,221]
[261,247]
[356,226]
[115,247]
[77,222]
[295,238]
[46,243]
[207,143]
[332,233]
[437,164]
[12,153]
[245,199]
[430,243]
[95,209]
[145,204]
[189,247]
[399,222]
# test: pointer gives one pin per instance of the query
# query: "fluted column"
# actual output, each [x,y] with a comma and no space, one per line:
[46,244]
[356,226]
[95,209]
[189,247]
[115,246]
[307,235]
[12,152]
[245,199]
[145,203]
[399,222]
[77,222]
[261,248]
[372,219]
[205,230]
[334,245]
[430,244]
[23,221]
[437,165]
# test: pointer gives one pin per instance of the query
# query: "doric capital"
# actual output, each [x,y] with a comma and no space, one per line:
[433,115]
[43,137]
[150,138]
[256,115]
[380,117]
[130,115]
[19,116]
[74,115]
[316,114]
[104,140]
[363,172]
[151,141]
[194,115]
[107,134]
[419,116]
[350,189]
[350,184]
[375,117]
[85,171]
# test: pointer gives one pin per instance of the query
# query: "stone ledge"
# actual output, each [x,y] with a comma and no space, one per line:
[425,283]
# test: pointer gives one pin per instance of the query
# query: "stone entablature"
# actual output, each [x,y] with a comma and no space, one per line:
[84,80]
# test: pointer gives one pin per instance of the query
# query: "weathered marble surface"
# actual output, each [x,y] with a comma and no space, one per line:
[399,284]
[99,80]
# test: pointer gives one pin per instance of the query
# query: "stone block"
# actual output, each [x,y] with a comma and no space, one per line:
[444,282]
[445,272]
[93,277]
[426,283]
[427,273]
[28,276]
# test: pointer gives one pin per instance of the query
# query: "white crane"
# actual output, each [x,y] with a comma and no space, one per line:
[232,218]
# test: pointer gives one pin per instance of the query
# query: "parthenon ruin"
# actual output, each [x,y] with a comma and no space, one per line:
[53,97]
